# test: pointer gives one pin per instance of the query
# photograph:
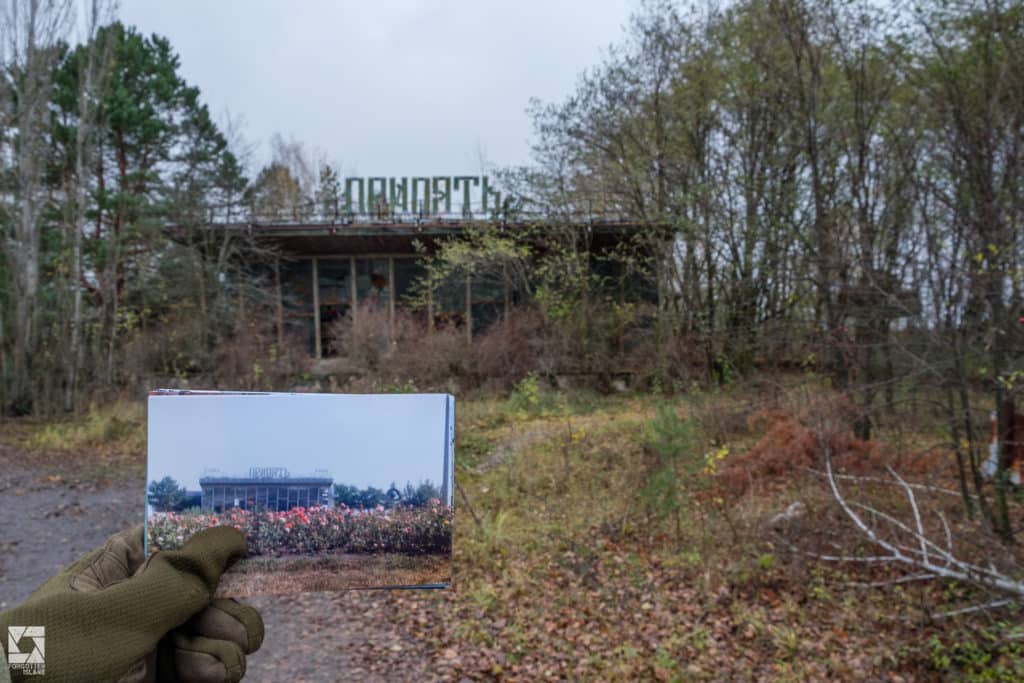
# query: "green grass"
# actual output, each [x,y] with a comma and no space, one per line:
[118,427]
[102,443]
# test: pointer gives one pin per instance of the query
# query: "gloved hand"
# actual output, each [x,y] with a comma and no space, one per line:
[115,616]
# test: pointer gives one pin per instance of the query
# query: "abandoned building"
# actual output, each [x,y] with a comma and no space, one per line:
[337,264]
[271,489]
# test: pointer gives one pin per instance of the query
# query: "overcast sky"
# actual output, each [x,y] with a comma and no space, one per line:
[359,440]
[387,87]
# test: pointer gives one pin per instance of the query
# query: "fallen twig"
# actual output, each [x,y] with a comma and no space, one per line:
[975,608]
[922,557]
[887,482]
[910,578]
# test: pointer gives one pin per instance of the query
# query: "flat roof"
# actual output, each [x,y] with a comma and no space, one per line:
[283,481]
[397,235]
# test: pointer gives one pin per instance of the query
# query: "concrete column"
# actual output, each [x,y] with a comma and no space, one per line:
[352,287]
[430,308]
[469,308]
[391,298]
[316,310]
[280,306]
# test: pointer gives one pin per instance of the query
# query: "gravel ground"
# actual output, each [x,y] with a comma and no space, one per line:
[47,521]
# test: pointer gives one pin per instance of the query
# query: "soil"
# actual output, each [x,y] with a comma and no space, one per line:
[50,518]
[53,513]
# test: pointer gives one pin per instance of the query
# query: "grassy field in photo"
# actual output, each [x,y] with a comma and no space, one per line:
[277,575]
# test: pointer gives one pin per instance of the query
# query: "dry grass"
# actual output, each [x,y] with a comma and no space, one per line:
[566,568]
[118,427]
[105,442]
[568,545]
[279,575]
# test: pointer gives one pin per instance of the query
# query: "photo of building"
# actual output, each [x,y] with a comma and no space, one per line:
[273,489]
[365,500]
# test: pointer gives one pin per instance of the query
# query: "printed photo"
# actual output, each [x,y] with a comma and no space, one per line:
[332,491]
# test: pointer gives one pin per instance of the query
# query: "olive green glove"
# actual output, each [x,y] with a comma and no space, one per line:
[115,616]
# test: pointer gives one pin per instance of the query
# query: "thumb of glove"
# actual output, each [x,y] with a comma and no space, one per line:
[101,618]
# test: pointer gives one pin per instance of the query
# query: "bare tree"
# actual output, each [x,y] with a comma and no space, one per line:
[31,30]
[91,79]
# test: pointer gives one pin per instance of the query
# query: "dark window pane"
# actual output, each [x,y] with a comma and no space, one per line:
[451,297]
[407,272]
[485,315]
[488,290]
[335,287]
[300,331]
[297,286]
[335,299]
[372,286]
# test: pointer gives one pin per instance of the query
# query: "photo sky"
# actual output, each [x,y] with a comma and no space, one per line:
[358,440]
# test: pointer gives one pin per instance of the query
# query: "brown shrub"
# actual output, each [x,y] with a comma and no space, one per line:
[596,347]
[498,357]
[251,359]
[509,350]
[186,350]
[790,445]
[378,353]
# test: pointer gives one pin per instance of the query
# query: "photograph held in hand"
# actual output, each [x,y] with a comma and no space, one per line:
[331,491]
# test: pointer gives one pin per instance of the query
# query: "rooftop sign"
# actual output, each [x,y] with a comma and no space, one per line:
[268,473]
[420,194]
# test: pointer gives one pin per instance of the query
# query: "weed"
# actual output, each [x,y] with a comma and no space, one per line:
[484,596]
[786,641]
[983,656]
[697,638]
[118,426]
[666,664]
[472,449]
[400,387]
[525,396]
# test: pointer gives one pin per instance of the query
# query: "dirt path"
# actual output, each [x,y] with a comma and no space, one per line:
[513,440]
[516,441]
[46,521]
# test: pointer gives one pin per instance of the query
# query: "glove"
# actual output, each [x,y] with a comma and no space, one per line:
[115,616]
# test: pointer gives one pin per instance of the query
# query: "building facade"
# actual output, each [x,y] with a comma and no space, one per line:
[366,253]
[332,273]
[265,489]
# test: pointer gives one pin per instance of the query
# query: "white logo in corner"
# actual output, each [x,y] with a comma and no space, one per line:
[30,661]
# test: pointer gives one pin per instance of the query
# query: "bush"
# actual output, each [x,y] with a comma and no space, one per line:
[525,396]
[184,351]
[792,443]
[119,425]
[306,531]
[379,355]
[510,349]
[411,495]
[675,463]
